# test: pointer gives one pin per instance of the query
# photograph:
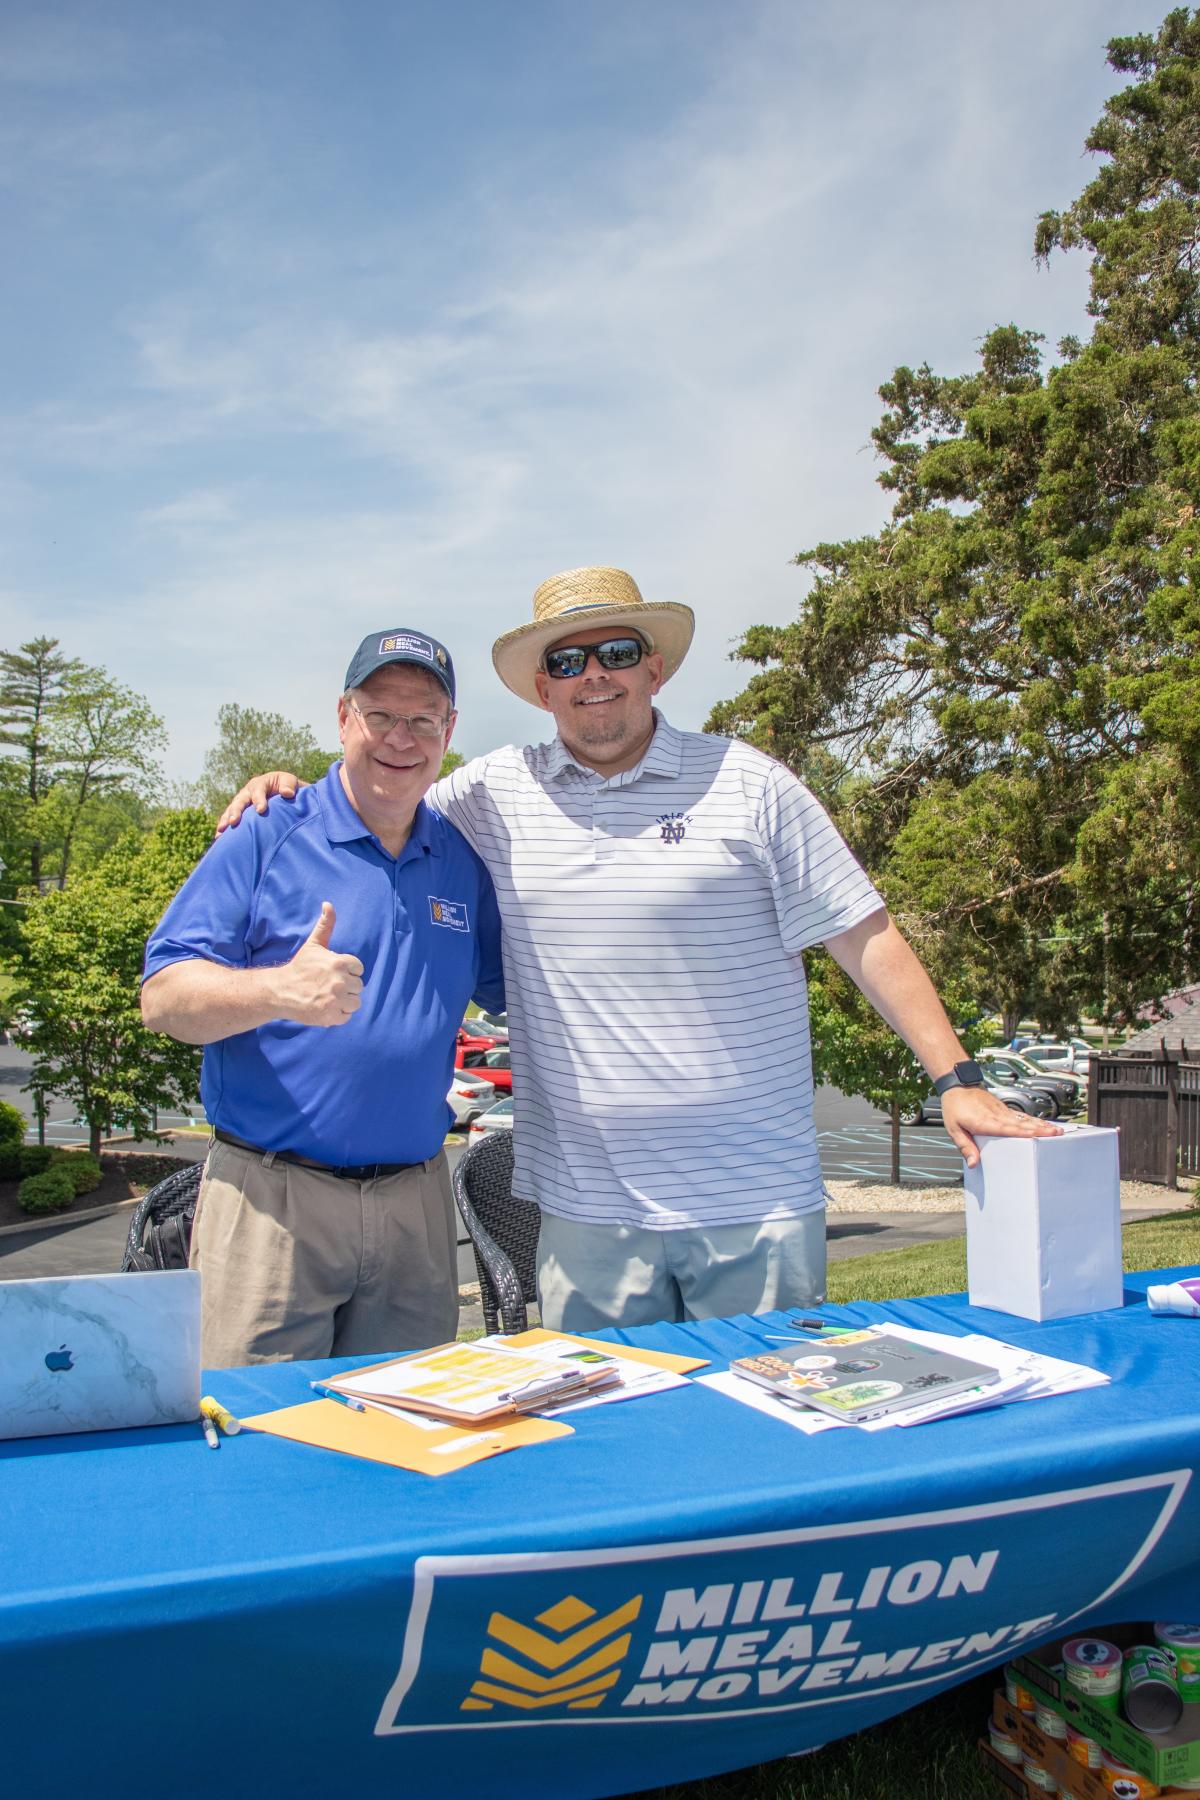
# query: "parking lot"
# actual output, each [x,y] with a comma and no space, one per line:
[855,1143]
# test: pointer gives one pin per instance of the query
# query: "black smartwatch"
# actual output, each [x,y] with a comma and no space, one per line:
[963,1074]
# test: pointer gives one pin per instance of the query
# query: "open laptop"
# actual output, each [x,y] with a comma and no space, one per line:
[98,1352]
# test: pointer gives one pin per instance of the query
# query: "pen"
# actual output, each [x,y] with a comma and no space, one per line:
[212,1409]
[210,1432]
[342,1399]
[807,1324]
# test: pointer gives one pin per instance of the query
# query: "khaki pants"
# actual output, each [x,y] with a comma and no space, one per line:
[589,1276]
[299,1264]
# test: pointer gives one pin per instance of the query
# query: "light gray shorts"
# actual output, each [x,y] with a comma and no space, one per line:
[594,1275]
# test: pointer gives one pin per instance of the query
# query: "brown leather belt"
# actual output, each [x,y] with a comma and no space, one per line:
[360,1172]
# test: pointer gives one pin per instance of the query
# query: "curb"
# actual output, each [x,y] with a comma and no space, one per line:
[72,1218]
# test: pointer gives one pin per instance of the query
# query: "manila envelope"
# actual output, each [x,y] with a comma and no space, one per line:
[381,1437]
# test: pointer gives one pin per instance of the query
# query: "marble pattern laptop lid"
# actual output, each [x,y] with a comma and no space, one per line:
[97,1352]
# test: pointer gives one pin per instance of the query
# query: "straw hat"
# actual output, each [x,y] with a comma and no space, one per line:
[580,599]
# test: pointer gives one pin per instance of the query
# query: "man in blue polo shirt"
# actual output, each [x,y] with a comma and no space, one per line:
[324,958]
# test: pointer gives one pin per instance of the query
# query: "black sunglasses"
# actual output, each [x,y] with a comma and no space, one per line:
[613,653]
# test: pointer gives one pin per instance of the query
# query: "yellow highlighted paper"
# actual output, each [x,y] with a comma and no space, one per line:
[655,1359]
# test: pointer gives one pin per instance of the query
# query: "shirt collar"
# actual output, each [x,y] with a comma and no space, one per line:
[343,825]
[664,755]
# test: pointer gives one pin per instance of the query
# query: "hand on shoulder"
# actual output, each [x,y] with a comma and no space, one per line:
[257,792]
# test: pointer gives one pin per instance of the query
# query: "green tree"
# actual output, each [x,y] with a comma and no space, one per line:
[80,979]
[249,741]
[857,1052]
[1002,687]
[81,740]
[31,685]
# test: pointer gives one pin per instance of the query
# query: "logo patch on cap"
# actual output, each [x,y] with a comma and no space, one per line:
[403,643]
[451,913]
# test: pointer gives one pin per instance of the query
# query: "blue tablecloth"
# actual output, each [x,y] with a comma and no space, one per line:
[682,1587]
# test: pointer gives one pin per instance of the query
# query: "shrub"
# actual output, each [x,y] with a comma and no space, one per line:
[35,1159]
[12,1126]
[83,1168]
[46,1193]
[10,1162]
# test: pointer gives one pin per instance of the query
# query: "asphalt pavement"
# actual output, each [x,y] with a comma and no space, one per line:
[855,1142]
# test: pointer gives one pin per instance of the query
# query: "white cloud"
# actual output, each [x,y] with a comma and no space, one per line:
[669,365]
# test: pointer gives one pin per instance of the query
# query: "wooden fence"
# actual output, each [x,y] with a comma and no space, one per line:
[1154,1101]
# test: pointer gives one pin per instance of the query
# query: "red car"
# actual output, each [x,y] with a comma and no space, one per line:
[489,1061]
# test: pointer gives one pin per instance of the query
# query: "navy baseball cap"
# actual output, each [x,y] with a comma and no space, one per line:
[401,646]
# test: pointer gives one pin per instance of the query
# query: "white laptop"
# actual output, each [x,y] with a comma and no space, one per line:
[98,1352]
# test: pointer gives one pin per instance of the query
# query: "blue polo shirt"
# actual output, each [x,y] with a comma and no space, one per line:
[427,930]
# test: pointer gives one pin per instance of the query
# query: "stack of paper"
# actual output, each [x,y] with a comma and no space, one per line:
[471,1384]
[1018,1375]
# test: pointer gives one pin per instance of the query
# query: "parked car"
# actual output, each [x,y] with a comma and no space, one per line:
[497,1118]
[1020,1098]
[493,1065]
[469,1096]
[496,1023]
[1006,1066]
[1054,1056]
[1071,1054]
[471,1037]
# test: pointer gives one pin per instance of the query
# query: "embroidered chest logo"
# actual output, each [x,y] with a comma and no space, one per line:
[673,826]
[451,913]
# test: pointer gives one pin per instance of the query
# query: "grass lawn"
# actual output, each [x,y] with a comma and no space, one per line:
[929,1752]
[941,1268]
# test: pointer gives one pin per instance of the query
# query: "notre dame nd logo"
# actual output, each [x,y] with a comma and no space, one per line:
[572,1661]
[673,826]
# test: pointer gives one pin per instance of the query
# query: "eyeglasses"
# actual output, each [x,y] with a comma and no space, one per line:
[379,723]
[613,653]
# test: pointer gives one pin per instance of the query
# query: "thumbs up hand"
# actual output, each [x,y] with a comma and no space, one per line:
[320,986]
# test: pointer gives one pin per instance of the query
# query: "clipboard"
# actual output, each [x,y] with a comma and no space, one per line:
[655,1359]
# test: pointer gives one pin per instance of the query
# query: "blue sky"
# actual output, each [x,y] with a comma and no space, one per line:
[320,318]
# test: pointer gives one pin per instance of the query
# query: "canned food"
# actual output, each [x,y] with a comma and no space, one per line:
[1003,1744]
[1124,1782]
[1148,1692]
[1093,1667]
[1018,1695]
[1050,1723]
[1183,1641]
[1084,1750]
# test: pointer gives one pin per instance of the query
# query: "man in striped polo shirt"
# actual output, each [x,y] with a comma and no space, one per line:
[657,889]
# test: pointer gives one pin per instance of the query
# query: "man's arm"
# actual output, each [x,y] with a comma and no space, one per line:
[199,1002]
[257,792]
[881,963]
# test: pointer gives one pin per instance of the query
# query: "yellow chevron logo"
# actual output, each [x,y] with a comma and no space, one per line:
[581,1651]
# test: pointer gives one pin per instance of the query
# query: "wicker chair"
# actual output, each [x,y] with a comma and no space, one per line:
[503,1231]
[161,1231]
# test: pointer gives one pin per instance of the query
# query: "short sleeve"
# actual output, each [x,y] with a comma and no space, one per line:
[820,887]
[210,916]
[489,982]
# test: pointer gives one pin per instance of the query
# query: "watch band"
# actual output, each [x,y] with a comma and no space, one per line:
[963,1074]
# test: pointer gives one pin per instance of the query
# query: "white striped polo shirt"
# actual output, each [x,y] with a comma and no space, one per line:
[653,924]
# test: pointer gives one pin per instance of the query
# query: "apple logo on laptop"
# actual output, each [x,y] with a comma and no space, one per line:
[59,1359]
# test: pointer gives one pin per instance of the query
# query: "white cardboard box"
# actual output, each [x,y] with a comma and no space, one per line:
[1044,1224]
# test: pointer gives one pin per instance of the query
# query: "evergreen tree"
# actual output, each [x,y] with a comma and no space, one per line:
[1003,685]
